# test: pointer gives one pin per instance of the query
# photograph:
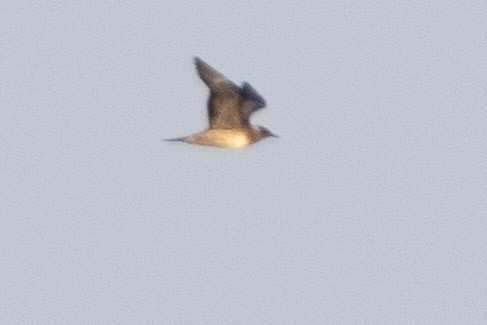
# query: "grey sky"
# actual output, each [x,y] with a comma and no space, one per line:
[369,209]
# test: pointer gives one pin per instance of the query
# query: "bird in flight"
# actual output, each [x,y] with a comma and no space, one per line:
[229,110]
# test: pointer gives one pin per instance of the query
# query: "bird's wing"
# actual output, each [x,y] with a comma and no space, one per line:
[251,101]
[225,98]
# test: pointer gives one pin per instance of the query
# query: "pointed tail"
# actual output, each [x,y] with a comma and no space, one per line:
[175,139]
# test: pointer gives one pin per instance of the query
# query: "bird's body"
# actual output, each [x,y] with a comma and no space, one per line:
[225,138]
[229,109]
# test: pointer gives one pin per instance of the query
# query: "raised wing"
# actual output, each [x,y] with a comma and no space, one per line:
[225,98]
[251,101]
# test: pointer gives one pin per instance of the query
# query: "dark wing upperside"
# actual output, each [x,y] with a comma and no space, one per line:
[225,98]
[251,101]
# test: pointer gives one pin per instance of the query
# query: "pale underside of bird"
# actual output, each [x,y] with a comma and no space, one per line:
[229,110]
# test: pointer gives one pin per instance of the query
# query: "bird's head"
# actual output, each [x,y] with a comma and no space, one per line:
[263,132]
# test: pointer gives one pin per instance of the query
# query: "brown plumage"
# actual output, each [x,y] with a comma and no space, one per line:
[229,110]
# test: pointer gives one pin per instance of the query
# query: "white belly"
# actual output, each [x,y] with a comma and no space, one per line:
[223,138]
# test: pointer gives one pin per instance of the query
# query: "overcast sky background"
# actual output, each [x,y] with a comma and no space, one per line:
[370,208]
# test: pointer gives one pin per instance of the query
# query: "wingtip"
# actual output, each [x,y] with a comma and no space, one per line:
[252,94]
[197,60]
[200,64]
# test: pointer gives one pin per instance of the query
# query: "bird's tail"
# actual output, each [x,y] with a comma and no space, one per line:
[175,139]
